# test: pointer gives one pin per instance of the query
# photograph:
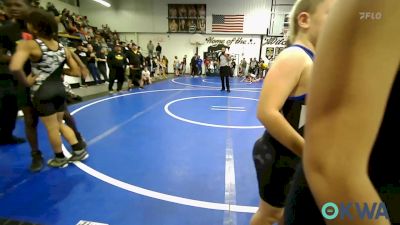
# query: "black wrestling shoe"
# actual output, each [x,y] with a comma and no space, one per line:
[37,161]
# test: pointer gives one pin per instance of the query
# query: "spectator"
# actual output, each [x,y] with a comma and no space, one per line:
[52,9]
[199,64]
[176,66]
[233,67]
[193,66]
[117,63]
[164,66]
[183,65]
[157,68]
[150,64]
[165,62]
[216,66]
[3,17]
[136,62]
[101,63]
[83,56]
[146,76]
[158,49]
[243,66]
[207,65]
[92,64]
[253,65]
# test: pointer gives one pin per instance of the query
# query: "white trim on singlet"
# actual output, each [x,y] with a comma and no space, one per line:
[48,63]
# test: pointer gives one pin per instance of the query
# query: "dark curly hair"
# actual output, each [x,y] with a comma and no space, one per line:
[43,22]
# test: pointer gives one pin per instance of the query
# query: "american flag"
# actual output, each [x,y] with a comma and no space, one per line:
[227,23]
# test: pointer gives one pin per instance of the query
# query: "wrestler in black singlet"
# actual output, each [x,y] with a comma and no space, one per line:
[275,164]
[48,92]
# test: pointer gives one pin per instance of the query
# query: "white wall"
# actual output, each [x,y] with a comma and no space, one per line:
[279,9]
[123,16]
[151,15]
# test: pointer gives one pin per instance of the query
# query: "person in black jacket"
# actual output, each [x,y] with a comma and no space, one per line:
[193,65]
[117,63]
[158,49]
[11,32]
[136,63]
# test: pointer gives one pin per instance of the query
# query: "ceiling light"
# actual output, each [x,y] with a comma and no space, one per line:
[106,4]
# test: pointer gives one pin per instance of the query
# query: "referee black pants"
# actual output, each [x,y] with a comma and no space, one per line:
[224,73]
[119,74]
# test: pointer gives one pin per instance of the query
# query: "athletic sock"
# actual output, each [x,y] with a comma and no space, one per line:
[78,147]
[60,155]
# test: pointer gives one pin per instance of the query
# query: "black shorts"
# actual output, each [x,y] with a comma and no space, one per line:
[275,167]
[135,75]
[50,98]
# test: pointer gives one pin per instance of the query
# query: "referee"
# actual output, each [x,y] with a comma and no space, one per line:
[225,69]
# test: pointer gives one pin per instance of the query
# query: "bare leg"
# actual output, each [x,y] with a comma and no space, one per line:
[266,214]
[70,121]
[53,130]
[66,131]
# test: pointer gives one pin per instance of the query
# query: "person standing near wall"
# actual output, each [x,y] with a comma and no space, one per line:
[83,56]
[117,63]
[176,66]
[158,49]
[164,66]
[193,67]
[92,64]
[199,63]
[136,65]
[150,48]
[165,62]
[101,63]
[207,65]
[183,69]
[233,67]
[224,69]
[243,66]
